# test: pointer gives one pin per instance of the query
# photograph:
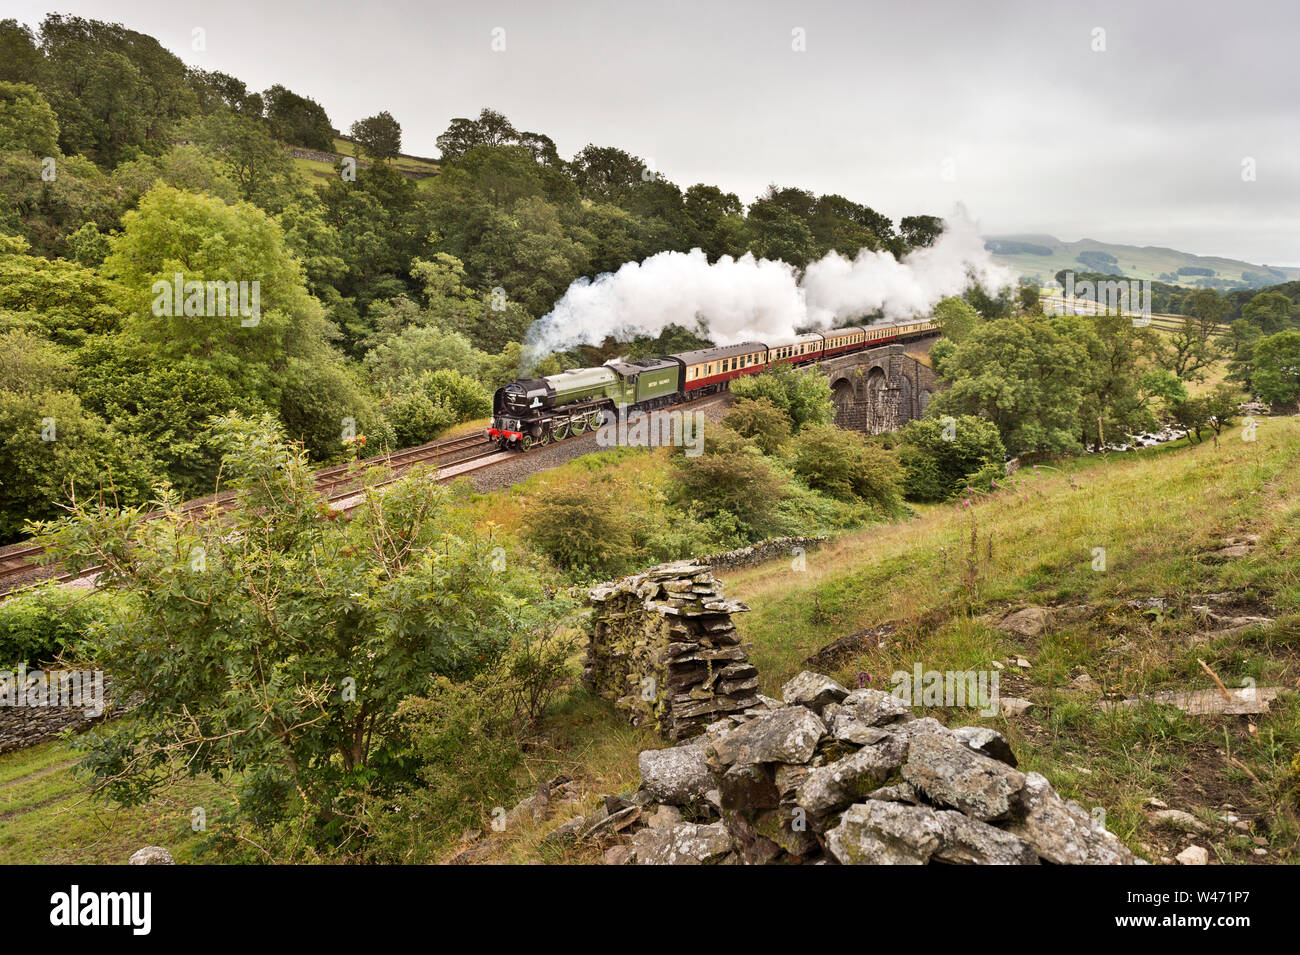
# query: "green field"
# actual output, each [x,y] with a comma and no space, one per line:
[315,171]
[47,815]
[1135,262]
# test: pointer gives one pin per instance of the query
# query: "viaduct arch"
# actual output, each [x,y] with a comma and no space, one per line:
[880,389]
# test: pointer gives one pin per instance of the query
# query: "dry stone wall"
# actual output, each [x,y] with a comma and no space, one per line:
[27,725]
[820,776]
[762,552]
[663,649]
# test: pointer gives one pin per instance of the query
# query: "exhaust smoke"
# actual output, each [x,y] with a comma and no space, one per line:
[760,299]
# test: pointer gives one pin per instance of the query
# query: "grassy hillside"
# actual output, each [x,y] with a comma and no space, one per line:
[940,578]
[46,815]
[314,170]
[1154,512]
[1138,262]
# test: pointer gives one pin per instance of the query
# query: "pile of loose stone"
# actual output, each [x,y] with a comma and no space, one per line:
[828,776]
[663,649]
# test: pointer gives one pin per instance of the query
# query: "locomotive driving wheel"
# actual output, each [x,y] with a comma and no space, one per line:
[561,432]
[579,425]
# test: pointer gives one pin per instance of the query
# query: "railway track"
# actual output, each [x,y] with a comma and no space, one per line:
[342,486]
[18,562]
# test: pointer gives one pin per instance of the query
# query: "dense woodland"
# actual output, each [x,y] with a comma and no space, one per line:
[394,303]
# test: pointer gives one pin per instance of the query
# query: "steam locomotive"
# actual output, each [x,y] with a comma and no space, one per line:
[537,411]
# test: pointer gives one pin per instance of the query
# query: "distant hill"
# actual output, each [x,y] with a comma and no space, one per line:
[1042,256]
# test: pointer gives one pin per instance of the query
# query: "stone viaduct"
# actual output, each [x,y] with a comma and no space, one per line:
[880,389]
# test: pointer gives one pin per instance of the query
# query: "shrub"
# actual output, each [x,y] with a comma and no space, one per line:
[803,394]
[845,465]
[276,644]
[40,623]
[429,403]
[730,481]
[937,455]
[987,478]
[468,740]
[762,422]
[584,527]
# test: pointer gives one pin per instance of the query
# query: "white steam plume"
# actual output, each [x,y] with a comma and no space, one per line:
[749,299]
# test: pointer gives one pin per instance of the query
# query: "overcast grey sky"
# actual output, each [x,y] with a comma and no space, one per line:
[906,106]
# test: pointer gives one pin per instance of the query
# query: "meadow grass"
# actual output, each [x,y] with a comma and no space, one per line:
[48,816]
[944,577]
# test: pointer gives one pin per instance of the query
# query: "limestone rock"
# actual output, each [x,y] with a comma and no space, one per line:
[677,775]
[829,788]
[885,833]
[1014,706]
[989,742]
[787,735]
[812,690]
[951,774]
[1061,831]
[684,844]
[748,786]
[876,707]
[968,841]
[791,834]
[569,833]
[533,808]
[844,726]
[1177,819]
[788,778]
[1193,855]
[899,792]
[151,855]
[612,823]
[665,817]
[750,846]
[1028,622]
[620,855]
